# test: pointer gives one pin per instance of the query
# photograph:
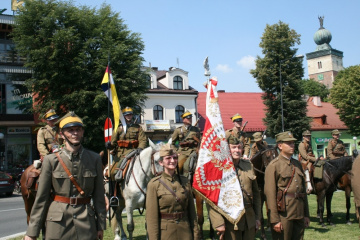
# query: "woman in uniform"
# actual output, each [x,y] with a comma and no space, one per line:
[170,210]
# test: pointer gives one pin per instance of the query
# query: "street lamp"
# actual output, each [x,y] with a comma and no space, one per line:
[281,93]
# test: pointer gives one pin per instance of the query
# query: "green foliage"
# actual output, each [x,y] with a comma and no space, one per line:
[68,48]
[345,96]
[277,43]
[313,88]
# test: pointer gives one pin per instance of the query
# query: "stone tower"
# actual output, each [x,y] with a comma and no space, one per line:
[325,62]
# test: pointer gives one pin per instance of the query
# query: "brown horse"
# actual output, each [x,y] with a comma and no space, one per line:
[260,161]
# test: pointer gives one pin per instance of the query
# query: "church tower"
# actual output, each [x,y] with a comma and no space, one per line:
[325,62]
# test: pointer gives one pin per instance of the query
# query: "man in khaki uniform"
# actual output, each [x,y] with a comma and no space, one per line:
[188,137]
[47,140]
[336,147]
[355,185]
[284,177]
[124,143]
[250,221]
[241,135]
[306,151]
[170,210]
[70,215]
[259,144]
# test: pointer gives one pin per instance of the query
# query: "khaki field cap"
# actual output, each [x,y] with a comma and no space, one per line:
[233,140]
[127,111]
[335,132]
[285,137]
[70,120]
[257,136]
[237,117]
[166,150]
[306,133]
[186,114]
[50,115]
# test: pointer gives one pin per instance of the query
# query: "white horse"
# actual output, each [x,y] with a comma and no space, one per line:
[145,166]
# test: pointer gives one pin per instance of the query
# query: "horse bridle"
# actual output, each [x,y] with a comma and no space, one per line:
[263,164]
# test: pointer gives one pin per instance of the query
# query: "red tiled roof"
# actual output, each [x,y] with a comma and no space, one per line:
[249,105]
[325,110]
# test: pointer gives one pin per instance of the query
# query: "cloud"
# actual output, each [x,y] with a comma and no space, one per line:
[247,62]
[223,68]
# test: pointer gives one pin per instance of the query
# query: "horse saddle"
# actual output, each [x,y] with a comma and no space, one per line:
[32,177]
[318,169]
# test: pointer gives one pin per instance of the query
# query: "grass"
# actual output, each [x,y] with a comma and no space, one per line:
[340,231]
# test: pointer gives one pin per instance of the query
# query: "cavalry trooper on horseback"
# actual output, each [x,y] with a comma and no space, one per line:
[238,132]
[126,143]
[47,139]
[336,147]
[188,137]
[258,145]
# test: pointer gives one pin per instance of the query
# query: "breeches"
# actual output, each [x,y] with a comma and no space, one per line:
[293,230]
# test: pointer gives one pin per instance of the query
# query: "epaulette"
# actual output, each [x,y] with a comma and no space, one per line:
[155,178]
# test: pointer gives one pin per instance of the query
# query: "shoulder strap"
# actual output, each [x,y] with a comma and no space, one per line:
[69,174]
[171,191]
[292,176]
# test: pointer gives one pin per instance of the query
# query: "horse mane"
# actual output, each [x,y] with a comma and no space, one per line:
[339,166]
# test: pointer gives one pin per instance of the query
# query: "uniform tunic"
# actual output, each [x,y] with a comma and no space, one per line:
[252,204]
[46,139]
[242,138]
[64,221]
[277,176]
[306,152]
[255,147]
[355,184]
[336,149]
[160,200]
[188,137]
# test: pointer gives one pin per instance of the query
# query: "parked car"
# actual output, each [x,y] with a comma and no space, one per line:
[7,184]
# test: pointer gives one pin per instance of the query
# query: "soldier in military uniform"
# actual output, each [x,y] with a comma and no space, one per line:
[170,210]
[47,140]
[70,215]
[124,143]
[259,144]
[241,135]
[336,148]
[355,185]
[188,137]
[250,221]
[305,150]
[286,193]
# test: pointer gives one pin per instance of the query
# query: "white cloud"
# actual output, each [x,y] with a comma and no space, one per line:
[223,68]
[247,62]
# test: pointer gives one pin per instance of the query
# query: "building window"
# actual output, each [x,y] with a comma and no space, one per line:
[148,80]
[179,110]
[320,150]
[319,65]
[158,113]
[178,83]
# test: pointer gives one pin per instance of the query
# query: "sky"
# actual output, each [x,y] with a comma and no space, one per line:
[183,33]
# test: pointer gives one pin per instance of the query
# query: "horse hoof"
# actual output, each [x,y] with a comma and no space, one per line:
[117,238]
[318,216]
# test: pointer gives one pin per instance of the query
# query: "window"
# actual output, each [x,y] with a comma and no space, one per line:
[319,65]
[179,110]
[178,82]
[158,112]
[148,80]
[320,150]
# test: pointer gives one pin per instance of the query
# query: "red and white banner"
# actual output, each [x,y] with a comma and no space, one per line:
[215,177]
[108,128]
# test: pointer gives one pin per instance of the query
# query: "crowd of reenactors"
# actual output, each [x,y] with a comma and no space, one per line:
[72,177]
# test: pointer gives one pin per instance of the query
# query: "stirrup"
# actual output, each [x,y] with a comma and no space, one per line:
[114,201]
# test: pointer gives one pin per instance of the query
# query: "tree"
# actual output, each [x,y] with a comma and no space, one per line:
[277,43]
[314,88]
[68,49]
[345,96]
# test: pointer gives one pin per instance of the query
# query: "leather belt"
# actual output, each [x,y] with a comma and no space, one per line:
[173,216]
[296,195]
[72,200]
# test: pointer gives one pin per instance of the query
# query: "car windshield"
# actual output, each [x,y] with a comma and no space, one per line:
[4,175]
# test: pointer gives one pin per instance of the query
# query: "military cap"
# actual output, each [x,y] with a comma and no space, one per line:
[166,150]
[237,117]
[285,137]
[70,120]
[51,115]
[233,140]
[186,114]
[127,111]
[335,132]
[306,133]
[257,136]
